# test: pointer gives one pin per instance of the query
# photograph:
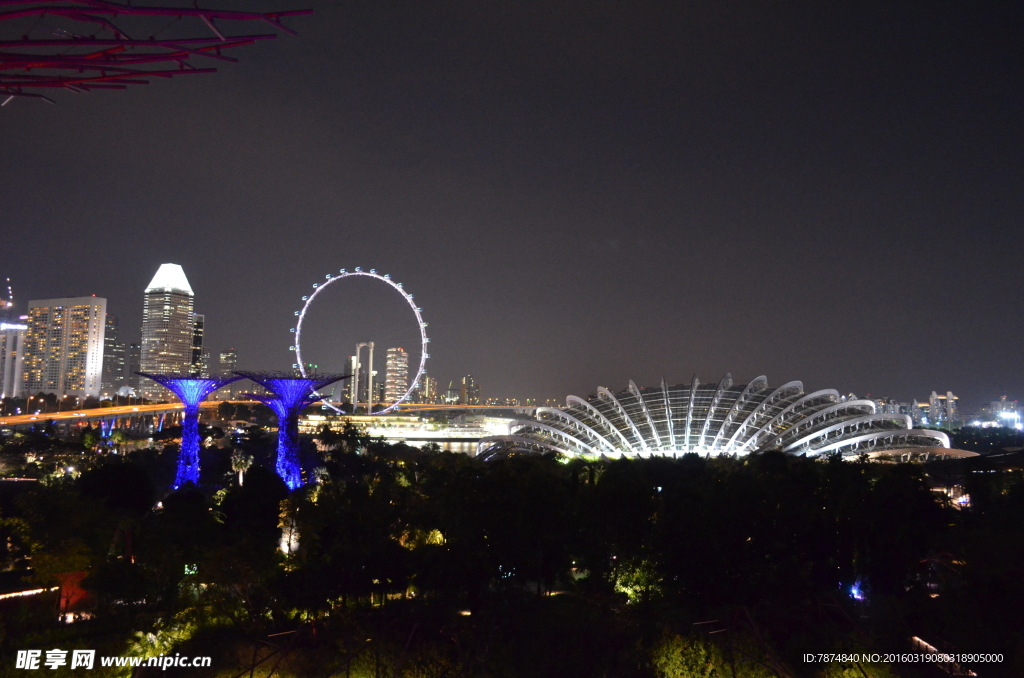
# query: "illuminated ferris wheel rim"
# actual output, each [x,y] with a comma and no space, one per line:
[372,273]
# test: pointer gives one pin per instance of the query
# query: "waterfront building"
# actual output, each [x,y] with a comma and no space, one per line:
[113,359]
[396,375]
[167,334]
[710,419]
[64,346]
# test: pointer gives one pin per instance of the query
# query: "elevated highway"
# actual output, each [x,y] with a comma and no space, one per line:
[158,409]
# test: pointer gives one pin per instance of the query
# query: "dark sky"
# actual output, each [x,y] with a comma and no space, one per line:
[578,193]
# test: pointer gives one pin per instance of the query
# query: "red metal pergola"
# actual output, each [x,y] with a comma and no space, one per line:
[82,45]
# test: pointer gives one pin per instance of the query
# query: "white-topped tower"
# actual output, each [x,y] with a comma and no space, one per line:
[167,328]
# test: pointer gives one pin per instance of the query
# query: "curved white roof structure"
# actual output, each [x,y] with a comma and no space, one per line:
[170,278]
[723,418]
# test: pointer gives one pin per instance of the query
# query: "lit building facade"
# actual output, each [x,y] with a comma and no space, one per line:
[227,363]
[943,410]
[469,392]
[167,335]
[200,362]
[12,356]
[7,306]
[113,359]
[396,375]
[132,364]
[710,419]
[64,346]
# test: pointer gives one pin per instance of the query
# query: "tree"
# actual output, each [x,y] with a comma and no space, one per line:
[118,437]
[240,463]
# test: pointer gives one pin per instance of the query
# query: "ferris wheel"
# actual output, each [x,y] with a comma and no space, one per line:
[397,286]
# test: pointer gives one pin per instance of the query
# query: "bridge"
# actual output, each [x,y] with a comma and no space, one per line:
[160,411]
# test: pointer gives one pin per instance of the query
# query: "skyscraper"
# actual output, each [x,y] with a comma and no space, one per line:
[227,364]
[167,335]
[7,305]
[198,326]
[12,347]
[64,346]
[942,409]
[12,357]
[113,359]
[469,394]
[396,375]
[132,364]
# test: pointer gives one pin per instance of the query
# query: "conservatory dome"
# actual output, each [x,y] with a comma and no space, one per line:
[723,418]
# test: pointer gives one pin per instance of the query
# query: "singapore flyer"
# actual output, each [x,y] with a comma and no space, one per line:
[372,274]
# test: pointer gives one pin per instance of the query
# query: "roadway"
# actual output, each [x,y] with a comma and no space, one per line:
[165,408]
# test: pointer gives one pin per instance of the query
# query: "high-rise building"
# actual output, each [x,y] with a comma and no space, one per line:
[198,326]
[7,306]
[132,364]
[12,356]
[167,335]
[396,375]
[227,364]
[426,392]
[64,346]
[469,394]
[942,409]
[113,359]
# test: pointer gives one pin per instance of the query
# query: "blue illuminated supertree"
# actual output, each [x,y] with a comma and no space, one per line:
[289,395]
[191,391]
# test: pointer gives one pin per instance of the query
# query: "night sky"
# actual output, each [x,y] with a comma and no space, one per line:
[578,193]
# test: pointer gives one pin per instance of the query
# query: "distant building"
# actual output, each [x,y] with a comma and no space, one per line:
[64,346]
[7,307]
[113,359]
[227,363]
[942,410]
[396,375]
[426,392]
[199,369]
[132,364]
[167,335]
[12,356]
[886,406]
[469,393]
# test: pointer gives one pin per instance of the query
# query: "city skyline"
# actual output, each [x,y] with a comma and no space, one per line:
[645,192]
[198,357]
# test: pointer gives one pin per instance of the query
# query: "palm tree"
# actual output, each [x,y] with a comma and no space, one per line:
[240,463]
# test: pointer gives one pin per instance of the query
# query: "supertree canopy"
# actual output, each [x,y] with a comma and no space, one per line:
[289,395]
[191,391]
[82,45]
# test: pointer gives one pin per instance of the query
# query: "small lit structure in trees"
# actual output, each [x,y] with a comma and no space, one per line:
[191,391]
[289,395]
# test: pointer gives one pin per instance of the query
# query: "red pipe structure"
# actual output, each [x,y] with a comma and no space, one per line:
[82,45]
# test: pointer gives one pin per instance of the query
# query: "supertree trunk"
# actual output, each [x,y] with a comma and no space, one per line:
[288,466]
[188,458]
